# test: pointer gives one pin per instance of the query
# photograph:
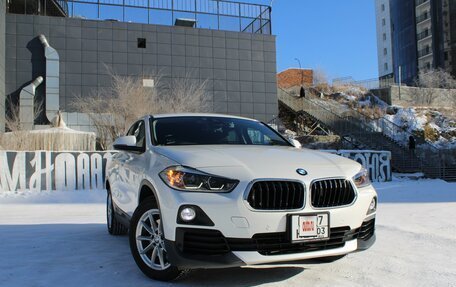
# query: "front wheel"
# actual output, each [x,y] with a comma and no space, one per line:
[147,243]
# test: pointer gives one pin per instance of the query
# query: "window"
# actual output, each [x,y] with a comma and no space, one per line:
[384,36]
[383,22]
[385,51]
[141,43]
[386,66]
[212,131]
[139,132]
[383,7]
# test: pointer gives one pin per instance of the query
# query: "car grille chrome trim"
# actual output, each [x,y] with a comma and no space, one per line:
[276,195]
[330,193]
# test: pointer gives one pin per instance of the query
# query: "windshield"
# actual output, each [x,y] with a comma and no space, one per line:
[212,131]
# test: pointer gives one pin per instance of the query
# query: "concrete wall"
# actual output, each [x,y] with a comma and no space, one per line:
[408,96]
[2,64]
[240,67]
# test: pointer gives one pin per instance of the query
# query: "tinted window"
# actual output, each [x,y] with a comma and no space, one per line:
[139,132]
[213,131]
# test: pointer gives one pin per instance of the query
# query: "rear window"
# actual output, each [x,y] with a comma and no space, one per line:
[212,131]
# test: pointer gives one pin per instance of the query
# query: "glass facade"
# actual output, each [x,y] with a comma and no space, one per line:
[404,40]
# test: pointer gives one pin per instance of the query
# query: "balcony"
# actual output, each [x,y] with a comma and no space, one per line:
[423,35]
[423,17]
[420,2]
[424,52]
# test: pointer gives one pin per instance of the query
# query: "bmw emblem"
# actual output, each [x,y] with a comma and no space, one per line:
[301,171]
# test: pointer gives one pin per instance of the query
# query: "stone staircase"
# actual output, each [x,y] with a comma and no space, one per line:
[359,130]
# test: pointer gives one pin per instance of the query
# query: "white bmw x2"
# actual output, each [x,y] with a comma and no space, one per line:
[214,191]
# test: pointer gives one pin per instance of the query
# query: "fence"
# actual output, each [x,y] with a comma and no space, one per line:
[69,171]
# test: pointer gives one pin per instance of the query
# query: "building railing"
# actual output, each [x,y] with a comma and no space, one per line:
[57,8]
[210,14]
[424,52]
[426,33]
[419,2]
[423,17]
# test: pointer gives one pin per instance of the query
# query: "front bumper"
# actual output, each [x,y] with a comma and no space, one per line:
[206,248]
[243,232]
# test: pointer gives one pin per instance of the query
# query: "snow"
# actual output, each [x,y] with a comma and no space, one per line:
[60,239]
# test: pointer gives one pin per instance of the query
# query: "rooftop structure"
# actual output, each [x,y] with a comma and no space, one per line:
[209,14]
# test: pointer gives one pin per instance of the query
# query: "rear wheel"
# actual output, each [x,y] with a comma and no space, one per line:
[114,226]
[147,243]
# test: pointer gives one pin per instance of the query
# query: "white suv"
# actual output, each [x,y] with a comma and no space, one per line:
[214,191]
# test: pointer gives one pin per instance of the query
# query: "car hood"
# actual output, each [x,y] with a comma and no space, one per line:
[260,161]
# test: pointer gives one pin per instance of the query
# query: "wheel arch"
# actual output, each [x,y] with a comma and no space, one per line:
[147,190]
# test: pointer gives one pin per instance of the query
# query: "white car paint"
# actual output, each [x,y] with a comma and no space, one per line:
[230,212]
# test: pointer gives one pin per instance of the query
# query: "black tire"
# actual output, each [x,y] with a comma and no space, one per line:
[114,226]
[161,270]
[329,259]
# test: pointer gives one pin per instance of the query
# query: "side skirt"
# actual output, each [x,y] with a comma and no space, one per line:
[121,216]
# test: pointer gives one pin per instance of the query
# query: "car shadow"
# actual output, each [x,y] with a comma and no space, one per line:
[86,255]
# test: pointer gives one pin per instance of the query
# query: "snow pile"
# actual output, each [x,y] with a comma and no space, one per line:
[408,119]
[432,125]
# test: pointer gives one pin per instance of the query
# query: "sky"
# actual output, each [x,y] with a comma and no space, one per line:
[336,36]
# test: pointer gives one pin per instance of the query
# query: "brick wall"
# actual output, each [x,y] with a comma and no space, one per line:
[294,77]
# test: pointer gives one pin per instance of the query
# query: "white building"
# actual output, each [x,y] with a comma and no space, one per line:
[384,41]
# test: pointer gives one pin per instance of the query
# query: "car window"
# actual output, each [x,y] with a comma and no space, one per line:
[138,130]
[258,138]
[213,131]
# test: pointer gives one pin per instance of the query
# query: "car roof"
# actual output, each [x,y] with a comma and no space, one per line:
[161,116]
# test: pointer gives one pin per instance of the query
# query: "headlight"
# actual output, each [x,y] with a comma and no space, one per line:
[188,179]
[361,179]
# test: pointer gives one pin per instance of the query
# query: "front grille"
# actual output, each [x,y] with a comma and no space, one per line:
[331,193]
[276,195]
[212,242]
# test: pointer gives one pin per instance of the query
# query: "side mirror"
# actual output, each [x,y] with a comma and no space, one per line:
[127,143]
[295,143]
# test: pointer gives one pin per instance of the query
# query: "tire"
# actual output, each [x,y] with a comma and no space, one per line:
[147,243]
[114,226]
[329,259]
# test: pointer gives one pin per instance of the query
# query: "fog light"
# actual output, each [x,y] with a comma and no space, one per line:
[188,214]
[372,206]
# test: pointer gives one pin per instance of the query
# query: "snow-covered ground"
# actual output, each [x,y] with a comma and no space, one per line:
[60,239]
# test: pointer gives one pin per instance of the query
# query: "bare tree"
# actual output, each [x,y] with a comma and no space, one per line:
[113,110]
[17,137]
[320,76]
[428,83]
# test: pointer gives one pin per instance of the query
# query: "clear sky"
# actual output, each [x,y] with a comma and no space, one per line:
[337,36]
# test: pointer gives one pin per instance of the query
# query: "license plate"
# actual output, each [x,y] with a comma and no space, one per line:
[310,227]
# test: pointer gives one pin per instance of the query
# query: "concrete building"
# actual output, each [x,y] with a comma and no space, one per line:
[384,44]
[422,36]
[229,44]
